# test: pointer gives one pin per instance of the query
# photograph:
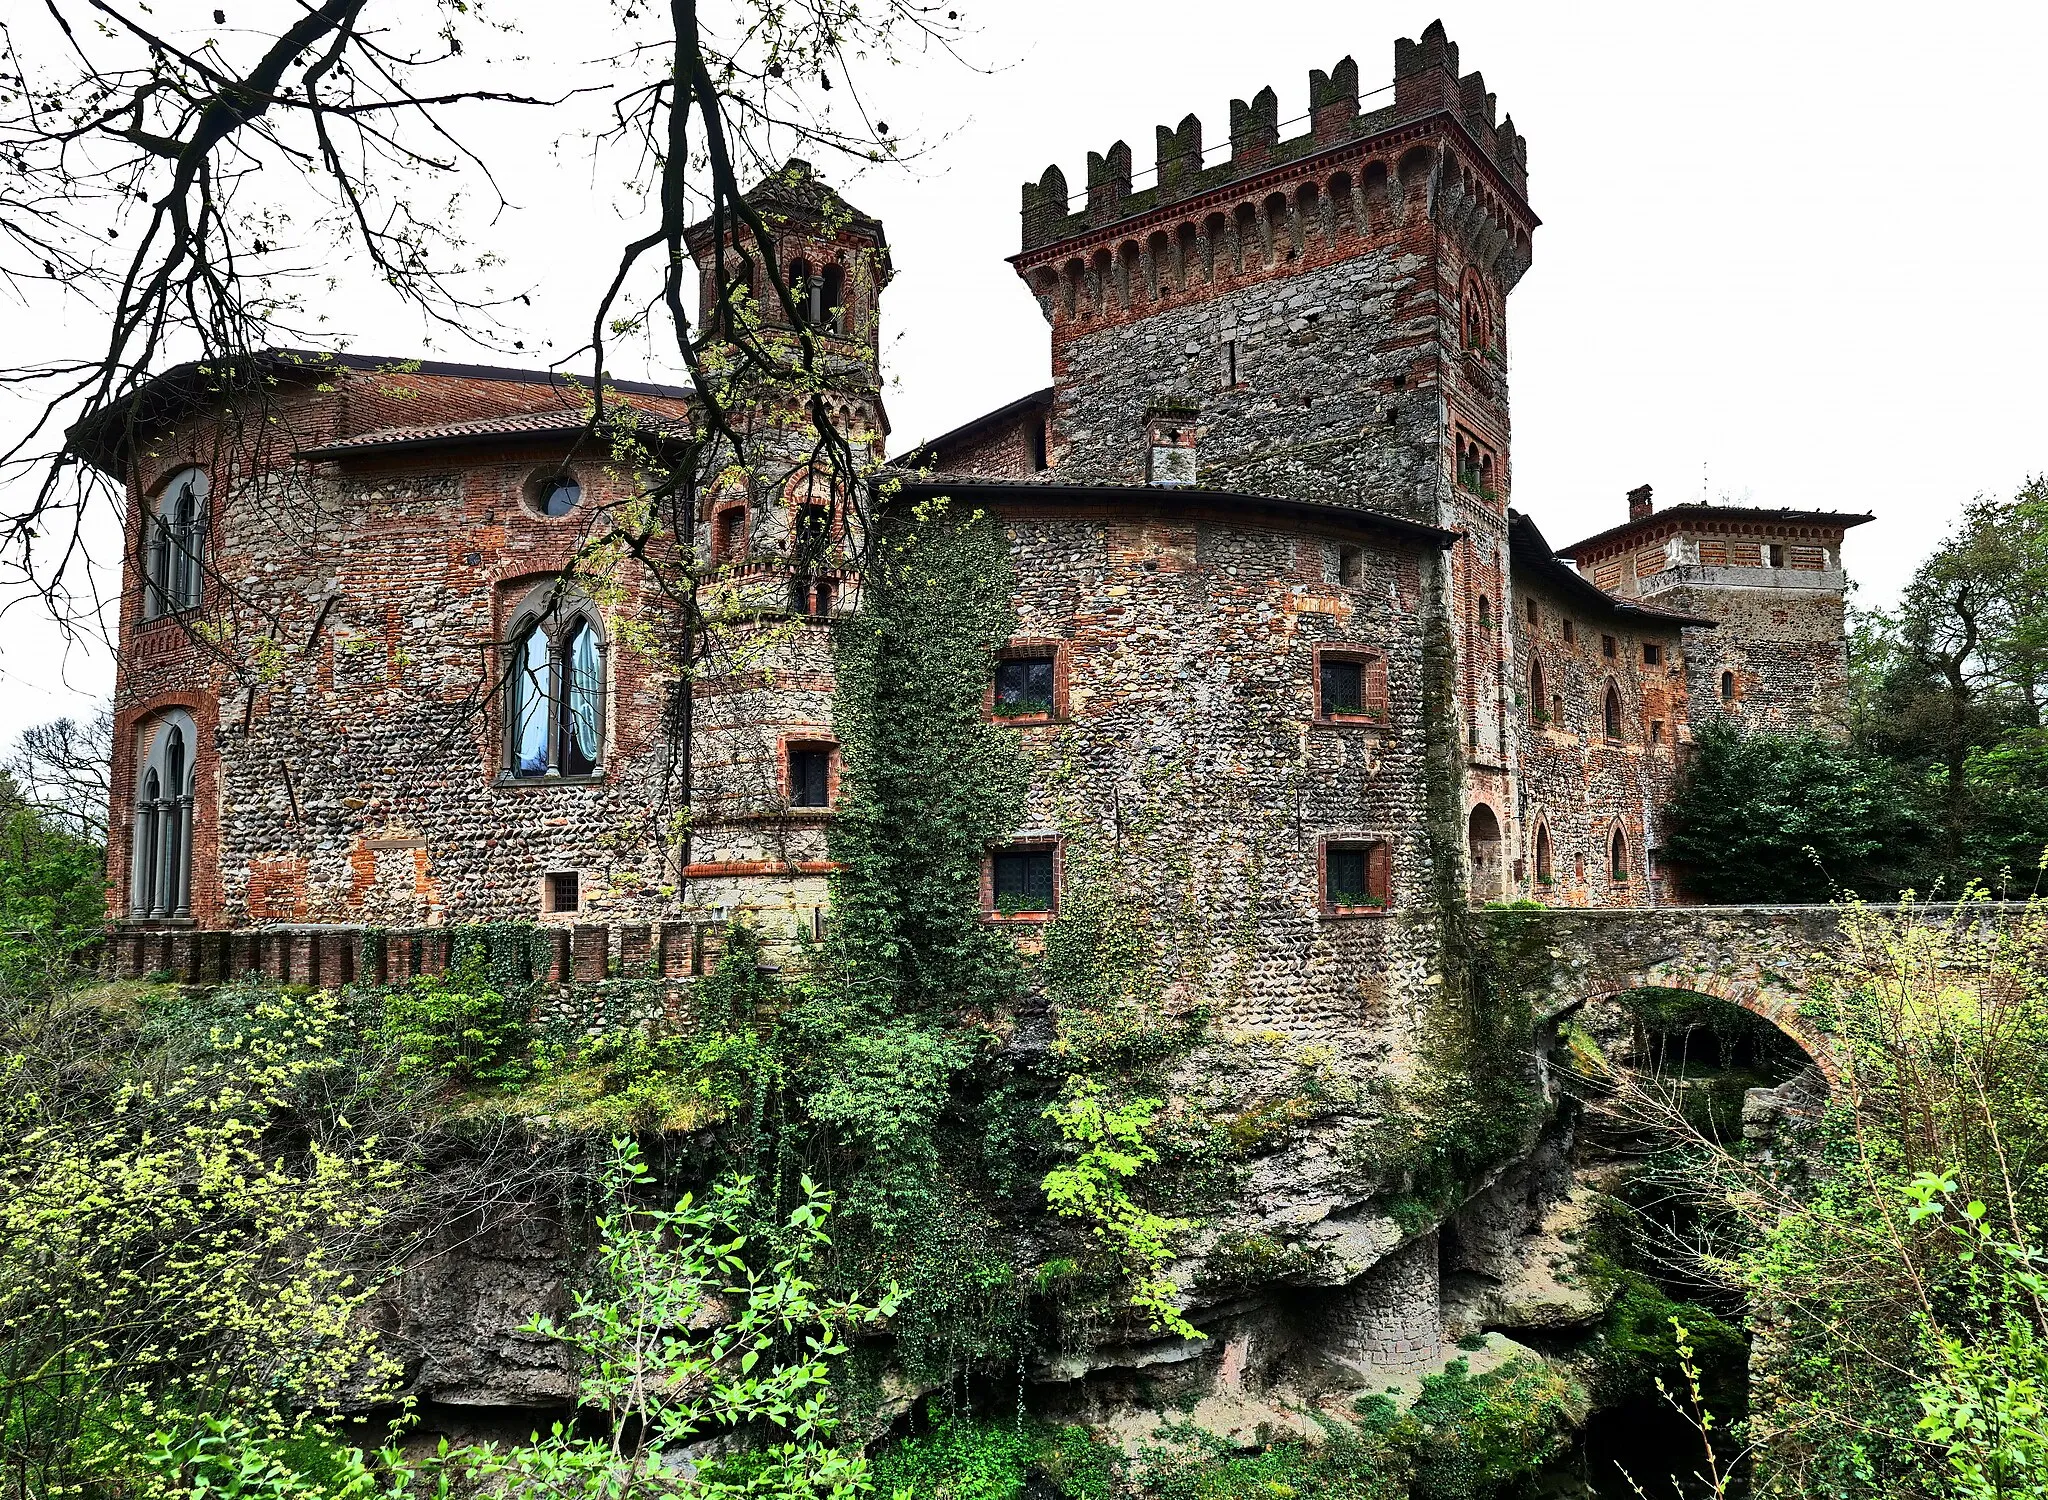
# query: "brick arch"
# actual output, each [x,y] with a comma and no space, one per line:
[1767,999]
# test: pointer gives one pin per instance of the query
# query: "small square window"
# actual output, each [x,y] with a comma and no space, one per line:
[1607,647]
[1343,687]
[1024,687]
[564,891]
[1021,880]
[1656,731]
[1653,654]
[1355,876]
[810,776]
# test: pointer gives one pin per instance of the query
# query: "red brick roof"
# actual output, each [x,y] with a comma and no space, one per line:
[566,421]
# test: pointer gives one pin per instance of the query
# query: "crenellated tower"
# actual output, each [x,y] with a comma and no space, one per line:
[1318,317]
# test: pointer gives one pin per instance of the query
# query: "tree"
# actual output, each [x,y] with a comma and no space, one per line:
[64,768]
[1961,663]
[1766,817]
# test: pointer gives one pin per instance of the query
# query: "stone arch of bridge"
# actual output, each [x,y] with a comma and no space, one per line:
[1772,1002]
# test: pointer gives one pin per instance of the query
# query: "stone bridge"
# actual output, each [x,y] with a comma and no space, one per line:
[1762,958]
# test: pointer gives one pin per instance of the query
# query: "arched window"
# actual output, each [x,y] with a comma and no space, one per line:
[160,880]
[1727,687]
[1617,857]
[1539,711]
[831,300]
[1543,855]
[174,543]
[554,690]
[1483,841]
[804,290]
[1613,712]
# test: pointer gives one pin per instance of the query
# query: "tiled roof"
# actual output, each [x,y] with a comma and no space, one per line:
[1531,554]
[1694,513]
[562,421]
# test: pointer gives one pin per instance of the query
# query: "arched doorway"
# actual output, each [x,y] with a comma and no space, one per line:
[1482,830]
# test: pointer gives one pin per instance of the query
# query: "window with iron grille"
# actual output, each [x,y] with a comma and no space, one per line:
[1356,875]
[564,891]
[1024,686]
[1022,879]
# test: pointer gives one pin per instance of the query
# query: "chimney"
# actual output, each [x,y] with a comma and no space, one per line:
[1639,506]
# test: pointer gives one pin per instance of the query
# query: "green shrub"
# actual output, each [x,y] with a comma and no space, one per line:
[457,1025]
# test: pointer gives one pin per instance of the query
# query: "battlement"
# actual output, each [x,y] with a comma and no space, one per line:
[1426,82]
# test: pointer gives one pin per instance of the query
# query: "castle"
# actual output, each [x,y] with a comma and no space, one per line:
[1296,681]
[1270,582]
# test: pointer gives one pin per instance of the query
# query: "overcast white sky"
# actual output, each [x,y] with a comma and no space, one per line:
[1792,253]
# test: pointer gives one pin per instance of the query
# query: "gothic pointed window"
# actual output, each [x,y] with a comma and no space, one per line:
[174,543]
[554,690]
[1612,715]
[1539,710]
[160,877]
[1617,858]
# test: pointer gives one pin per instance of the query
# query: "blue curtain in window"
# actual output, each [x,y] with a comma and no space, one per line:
[529,689]
[581,753]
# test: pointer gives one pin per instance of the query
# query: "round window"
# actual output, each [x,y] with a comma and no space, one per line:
[558,495]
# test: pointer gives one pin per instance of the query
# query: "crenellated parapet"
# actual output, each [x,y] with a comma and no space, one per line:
[1426,85]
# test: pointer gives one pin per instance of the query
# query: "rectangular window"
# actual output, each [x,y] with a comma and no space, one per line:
[564,889]
[1777,555]
[1571,631]
[728,538]
[1607,646]
[810,776]
[1343,687]
[1024,687]
[1656,731]
[1021,880]
[1535,616]
[1653,654]
[1351,566]
[1356,876]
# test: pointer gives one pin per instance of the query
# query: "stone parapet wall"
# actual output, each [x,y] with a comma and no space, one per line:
[326,957]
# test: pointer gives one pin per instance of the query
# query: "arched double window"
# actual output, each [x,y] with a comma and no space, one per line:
[160,871]
[174,544]
[554,690]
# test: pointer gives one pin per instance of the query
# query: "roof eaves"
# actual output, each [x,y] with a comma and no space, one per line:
[1103,494]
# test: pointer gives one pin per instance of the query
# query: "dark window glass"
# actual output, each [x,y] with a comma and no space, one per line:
[565,891]
[1613,712]
[1023,880]
[824,597]
[1607,645]
[810,778]
[1727,687]
[1617,858]
[813,529]
[1347,883]
[1343,687]
[558,496]
[1652,654]
[1024,685]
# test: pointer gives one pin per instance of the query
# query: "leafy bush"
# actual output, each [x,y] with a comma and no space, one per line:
[457,1025]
